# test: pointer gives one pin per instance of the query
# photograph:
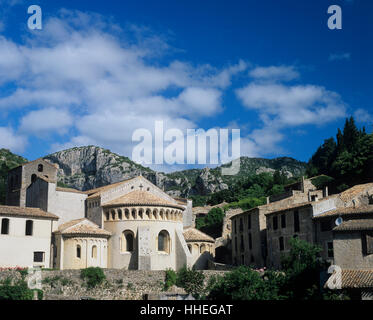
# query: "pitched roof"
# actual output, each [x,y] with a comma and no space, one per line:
[97,191]
[26,212]
[192,234]
[355,225]
[82,227]
[357,278]
[351,193]
[39,159]
[139,197]
[71,190]
[291,206]
[346,211]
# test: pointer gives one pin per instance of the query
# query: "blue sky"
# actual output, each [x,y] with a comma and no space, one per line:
[98,70]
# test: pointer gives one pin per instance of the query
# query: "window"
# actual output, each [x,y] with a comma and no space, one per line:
[5,226]
[275,223]
[107,216]
[296,221]
[127,241]
[367,243]
[325,225]
[252,260]
[29,227]
[281,243]
[94,252]
[38,256]
[283,221]
[242,246]
[235,244]
[33,178]
[202,249]
[120,214]
[243,259]
[164,241]
[249,222]
[330,250]
[235,226]
[241,225]
[78,251]
[40,168]
[250,242]
[190,248]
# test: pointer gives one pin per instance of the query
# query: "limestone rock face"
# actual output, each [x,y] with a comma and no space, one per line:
[85,168]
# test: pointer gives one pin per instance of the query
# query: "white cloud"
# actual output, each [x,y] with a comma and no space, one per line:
[44,121]
[10,140]
[363,116]
[275,73]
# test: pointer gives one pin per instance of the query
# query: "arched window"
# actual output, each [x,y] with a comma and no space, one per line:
[202,249]
[40,168]
[120,214]
[33,178]
[5,226]
[164,241]
[112,215]
[94,252]
[127,241]
[107,216]
[78,251]
[29,227]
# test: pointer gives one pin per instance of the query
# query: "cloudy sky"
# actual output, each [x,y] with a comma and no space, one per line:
[99,70]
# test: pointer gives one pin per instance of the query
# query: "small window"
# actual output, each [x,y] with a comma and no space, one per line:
[5,226]
[367,243]
[94,252]
[283,221]
[235,244]
[241,225]
[78,251]
[235,226]
[249,222]
[38,256]
[252,260]
[313,198]
[243,259]
[202,249]
[40,168]
[29,227]
[164,241]
[325,225]
[296,221]
[281,243]
[127,241]
[250,242]
[330,250]
[107,216]
[242,246]
[275,223]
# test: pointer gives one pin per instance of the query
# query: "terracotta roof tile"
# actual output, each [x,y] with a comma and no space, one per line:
[192,234]
[351,193]
[355,225]
[357,278]
[82,227]
[346,211]
[139,197]
[26,212]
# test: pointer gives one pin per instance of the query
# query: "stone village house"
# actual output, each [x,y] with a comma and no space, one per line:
[131,224]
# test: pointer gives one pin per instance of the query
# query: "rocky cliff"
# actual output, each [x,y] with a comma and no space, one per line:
[89,167]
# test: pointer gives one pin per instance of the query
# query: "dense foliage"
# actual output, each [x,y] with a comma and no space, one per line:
[299,279]
[8,161]
[348,158]
[16,291]
[212,223]
[93,276]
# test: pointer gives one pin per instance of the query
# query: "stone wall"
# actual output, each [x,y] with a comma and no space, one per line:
[119,284]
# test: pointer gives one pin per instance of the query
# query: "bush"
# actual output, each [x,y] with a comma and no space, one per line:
[16,291]
[93,276]
[191,281]
[170,279]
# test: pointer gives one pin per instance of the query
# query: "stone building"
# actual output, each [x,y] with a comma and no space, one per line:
[130,224]
[25,236]
[353,252]
[260,236]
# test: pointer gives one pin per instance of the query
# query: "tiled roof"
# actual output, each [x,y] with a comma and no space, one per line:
[139,197]
[97,191]
[355,224]
[290,206]
[346,211]
[26,212]
[192,234]
[82,227]
[357,278]
[71,190]
[351,193]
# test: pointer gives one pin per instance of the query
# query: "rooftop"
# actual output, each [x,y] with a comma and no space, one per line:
[192,234]
[355,225]
[82,227]
[346,211]
[357,278]
[26,212]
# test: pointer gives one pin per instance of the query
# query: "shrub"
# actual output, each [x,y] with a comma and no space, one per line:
[16,291]
[93,276]
[170,279]
[191,281]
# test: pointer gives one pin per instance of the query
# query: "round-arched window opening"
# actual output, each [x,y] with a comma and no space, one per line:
[78,251]
[128,241]
[40,168]
[164,241]
[94,252]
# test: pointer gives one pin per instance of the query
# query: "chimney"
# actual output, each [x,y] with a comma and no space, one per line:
[267,200]
[326,192]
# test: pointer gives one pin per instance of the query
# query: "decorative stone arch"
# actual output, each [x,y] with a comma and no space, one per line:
[202,248]
[196,248]
[120,214]
[113,215]
[94,251]
[167,214]
[164,242]
[148,214]
[162,214]
[141,213]
[127,241]
[107,215]
[78,250]
[190,248]
[155,214]
[134,213]
[126,214]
